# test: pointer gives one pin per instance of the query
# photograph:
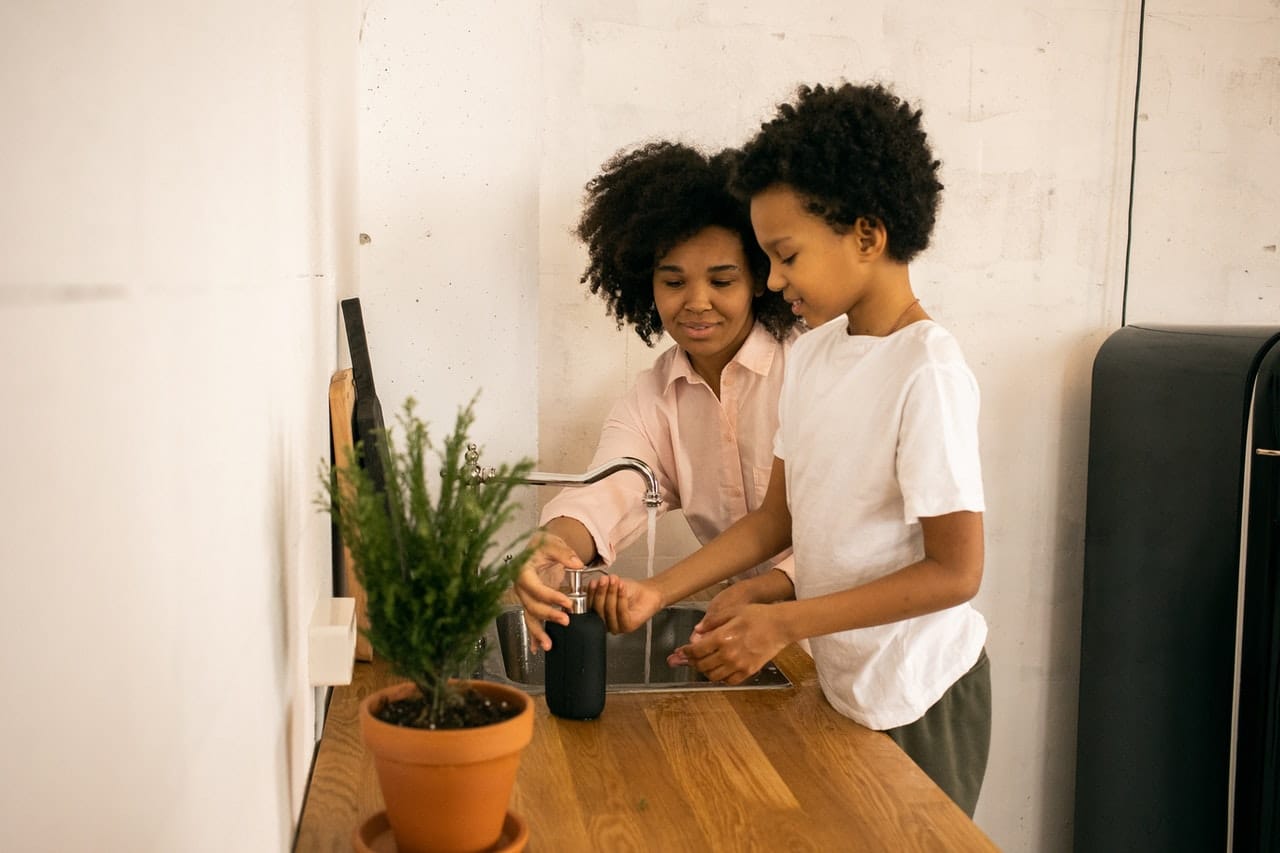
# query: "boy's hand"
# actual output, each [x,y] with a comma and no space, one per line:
[733,647]
[727,602]
[624,605]
[537,587]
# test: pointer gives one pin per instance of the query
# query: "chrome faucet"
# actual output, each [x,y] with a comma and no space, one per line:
[652,497]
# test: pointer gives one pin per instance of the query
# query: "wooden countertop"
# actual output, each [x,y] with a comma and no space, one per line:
[697,771]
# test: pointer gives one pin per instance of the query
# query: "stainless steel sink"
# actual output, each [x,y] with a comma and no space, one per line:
[507,657]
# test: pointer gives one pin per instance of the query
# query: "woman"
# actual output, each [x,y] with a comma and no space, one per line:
[671,250]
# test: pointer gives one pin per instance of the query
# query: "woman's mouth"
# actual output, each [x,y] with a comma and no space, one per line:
[698,331]
[797,307]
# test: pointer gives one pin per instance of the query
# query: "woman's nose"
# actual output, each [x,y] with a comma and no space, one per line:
[697,296]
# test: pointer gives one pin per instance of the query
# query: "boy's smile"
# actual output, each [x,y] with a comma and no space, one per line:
[811,264]
[824,273]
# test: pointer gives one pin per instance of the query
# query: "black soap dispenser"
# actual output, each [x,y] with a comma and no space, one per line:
[575,666]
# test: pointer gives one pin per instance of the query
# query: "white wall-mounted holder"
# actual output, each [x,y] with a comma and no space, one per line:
[332,642]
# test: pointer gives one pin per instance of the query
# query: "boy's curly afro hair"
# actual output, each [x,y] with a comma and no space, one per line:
[851,151]
[644,203]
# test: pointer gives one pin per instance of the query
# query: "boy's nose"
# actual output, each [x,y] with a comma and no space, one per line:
[776,281]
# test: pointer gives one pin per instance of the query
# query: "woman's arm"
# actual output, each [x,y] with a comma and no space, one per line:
[561,542]
[757,536]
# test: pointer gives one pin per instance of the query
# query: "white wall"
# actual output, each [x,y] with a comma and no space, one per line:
[176,216]
[450,124]
[1207,188]
[179,211]
[1028,106]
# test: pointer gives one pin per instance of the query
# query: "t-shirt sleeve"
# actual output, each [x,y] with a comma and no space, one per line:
[939,466]
[784,395]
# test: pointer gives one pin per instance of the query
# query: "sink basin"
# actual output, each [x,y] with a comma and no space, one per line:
[507,657]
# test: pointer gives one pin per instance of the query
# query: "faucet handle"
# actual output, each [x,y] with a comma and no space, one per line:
[473,470]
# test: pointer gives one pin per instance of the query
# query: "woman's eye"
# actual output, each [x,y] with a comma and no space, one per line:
[721,282]
[674,283]
[789,260]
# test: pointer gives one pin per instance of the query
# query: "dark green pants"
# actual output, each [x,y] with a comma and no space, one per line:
[951,741]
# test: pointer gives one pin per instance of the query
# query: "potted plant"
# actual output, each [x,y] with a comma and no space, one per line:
[446,748]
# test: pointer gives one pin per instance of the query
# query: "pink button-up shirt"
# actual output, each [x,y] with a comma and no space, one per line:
[712,456]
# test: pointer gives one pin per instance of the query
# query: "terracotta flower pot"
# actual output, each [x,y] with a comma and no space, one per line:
[447,791]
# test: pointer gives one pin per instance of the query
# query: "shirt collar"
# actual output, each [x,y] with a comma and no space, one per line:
[756,354]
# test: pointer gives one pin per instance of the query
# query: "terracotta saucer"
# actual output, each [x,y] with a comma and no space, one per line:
[374,835]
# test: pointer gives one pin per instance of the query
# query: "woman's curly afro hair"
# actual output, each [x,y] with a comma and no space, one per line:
[643,204]
[851,151]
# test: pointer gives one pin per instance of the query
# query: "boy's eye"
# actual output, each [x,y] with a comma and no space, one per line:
[722,282]
[674,283]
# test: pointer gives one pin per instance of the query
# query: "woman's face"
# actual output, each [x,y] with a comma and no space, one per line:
[703,291]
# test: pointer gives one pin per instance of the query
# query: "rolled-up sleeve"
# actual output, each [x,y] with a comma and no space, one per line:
[613,509]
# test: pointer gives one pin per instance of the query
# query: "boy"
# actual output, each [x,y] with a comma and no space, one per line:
[876,480]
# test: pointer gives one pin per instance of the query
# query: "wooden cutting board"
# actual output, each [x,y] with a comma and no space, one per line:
[342,401]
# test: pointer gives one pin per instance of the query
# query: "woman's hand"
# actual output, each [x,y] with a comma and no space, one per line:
[537,587]
[734,646]
[624,605]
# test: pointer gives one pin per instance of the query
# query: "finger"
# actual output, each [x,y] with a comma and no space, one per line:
[709,668]
[723,672]
[712,620]
[531,591]
[548,605]
[539,642]
[614,598]
[556,549]
[598,599]
[545,604]
[538,638]
[553,598]
[678,657]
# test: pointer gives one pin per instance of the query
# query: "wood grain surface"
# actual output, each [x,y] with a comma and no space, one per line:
[764,770]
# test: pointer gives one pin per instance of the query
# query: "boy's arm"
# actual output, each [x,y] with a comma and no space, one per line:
[757,536]
[773,585]
[949,574]
[736,646]
[750,540]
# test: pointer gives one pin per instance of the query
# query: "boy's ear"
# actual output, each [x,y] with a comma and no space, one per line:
[870,236]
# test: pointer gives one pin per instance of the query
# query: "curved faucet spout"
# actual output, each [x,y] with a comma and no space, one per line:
[652,497]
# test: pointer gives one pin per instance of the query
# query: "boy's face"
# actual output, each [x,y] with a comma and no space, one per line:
[820,272]
[703,291]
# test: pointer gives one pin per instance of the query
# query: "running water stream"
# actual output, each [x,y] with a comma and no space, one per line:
[648,626]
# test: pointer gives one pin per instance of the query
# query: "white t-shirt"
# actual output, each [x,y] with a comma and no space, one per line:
[877,432]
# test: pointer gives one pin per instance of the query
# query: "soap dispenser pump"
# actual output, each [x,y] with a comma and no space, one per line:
[575,665]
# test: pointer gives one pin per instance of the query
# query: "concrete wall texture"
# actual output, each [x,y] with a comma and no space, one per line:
[185,186]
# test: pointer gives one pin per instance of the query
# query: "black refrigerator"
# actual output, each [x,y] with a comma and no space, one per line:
[1179,716]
